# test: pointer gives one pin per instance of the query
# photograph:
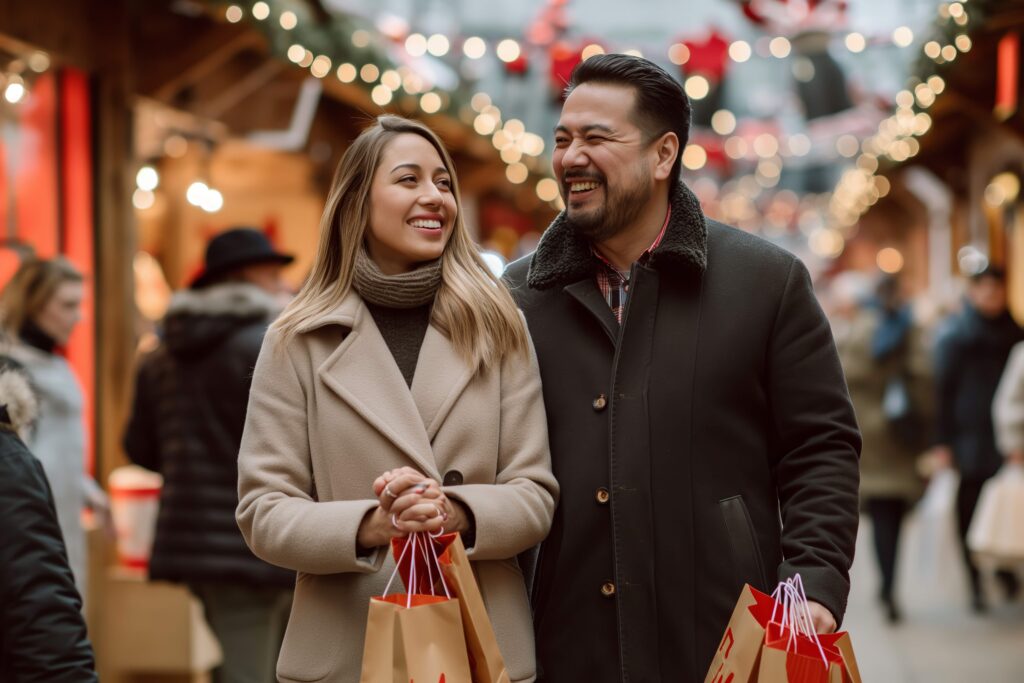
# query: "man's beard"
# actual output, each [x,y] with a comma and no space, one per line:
[620,208]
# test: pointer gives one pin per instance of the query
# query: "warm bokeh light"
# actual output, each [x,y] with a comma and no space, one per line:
[474,47]
[508,50]
[694,157]
[889,260]
[438,45]
[723,122]
[780,47]
[416,44]
[740,51]
[517,173]
[347,73]
[903,36]
[547,189]
[678,54]
[855,42]
[697,87]
[430,102]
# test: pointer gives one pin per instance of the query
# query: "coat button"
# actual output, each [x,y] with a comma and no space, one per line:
[452,478]
[608,589]
[602,496]
[600,402]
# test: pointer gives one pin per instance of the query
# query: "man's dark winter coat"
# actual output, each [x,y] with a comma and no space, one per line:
[189,410]
[706,443]
[42,631]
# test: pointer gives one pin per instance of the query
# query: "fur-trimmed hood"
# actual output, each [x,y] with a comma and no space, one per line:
[564,257]
[199,319]
[18,406]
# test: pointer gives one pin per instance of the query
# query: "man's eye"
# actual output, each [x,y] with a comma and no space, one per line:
[596,138]
[561,142]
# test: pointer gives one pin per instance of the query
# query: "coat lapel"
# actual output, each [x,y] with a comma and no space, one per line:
[441,375]
[587,293]
[363,373]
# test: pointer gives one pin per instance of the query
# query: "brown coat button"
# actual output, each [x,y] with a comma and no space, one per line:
[602,496]
[452,478]
[600,402]
[608,589]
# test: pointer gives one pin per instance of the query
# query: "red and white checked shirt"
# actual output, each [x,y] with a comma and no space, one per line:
[614,285]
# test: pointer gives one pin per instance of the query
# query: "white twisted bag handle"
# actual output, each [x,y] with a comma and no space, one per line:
[421,542]
[789,595]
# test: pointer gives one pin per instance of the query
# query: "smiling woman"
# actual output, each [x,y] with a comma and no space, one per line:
[412,208]
[398,393]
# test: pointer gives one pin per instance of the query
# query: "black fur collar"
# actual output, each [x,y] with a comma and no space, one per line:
[563,257]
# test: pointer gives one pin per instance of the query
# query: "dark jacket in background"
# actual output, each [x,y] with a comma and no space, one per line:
[677,440]
[42,631]
[970,357]
[189,410]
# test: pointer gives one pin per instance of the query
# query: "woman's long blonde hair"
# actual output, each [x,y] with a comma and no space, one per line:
[472,307]
[30,290]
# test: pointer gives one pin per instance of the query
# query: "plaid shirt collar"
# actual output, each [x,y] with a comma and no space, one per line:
[614,285]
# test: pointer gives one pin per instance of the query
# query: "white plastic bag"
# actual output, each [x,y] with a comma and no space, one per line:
[932,544]
[996,536]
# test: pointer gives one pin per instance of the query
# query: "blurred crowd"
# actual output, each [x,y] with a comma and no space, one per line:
[938,388]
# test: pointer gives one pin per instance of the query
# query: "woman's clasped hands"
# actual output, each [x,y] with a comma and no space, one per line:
[408,502]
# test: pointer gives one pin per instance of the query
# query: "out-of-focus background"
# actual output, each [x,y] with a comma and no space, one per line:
[882,141]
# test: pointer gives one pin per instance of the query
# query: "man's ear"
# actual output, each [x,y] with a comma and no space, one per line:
[667,149]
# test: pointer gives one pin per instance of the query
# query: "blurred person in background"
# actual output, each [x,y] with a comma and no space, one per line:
[39,309]
[42,631]
[888,371]
[186,423]
[971,354]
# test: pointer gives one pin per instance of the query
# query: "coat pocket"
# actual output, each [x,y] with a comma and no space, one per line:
[746,553]
[320,631]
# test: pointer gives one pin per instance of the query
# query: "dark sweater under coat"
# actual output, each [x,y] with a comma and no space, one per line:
[706,443]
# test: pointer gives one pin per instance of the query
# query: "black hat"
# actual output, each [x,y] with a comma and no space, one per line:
[235,248]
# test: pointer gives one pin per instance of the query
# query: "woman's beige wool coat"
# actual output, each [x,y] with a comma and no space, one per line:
[328,413]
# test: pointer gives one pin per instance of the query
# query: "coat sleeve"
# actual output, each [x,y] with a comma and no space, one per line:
[279,516]
[1008,406]
[43,629]
[817,447]
[141,443]
[514,514]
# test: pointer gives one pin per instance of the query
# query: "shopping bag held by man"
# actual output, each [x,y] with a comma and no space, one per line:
[793,651]
[738,658]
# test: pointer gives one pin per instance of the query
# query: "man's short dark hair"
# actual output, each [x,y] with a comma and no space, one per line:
[661,105]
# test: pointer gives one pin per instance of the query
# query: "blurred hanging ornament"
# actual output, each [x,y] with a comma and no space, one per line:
[708,60]
[791,16]
[564,58]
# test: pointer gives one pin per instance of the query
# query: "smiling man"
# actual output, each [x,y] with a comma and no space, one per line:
[699,421]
